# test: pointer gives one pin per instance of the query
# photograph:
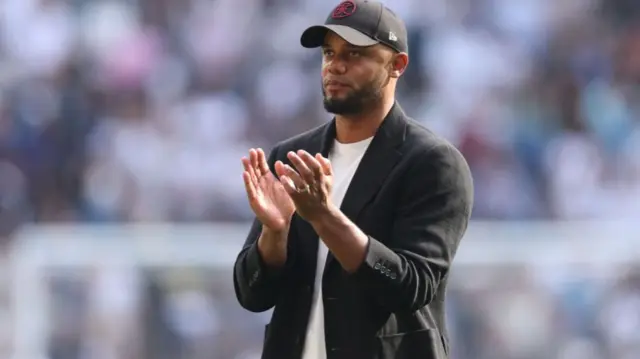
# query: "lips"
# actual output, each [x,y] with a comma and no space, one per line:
[335,85]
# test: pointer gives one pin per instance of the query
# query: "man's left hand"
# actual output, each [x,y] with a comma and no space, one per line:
[309,184]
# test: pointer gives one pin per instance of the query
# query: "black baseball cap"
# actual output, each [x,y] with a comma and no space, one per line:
[360,23]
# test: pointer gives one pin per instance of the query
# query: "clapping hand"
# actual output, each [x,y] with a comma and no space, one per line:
[267,196]
[309,184]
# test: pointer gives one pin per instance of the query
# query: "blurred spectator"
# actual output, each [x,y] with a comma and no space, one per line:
[139,111]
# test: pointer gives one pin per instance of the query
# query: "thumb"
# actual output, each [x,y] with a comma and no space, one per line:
[326,164]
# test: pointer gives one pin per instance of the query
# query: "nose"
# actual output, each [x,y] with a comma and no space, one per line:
[336,66]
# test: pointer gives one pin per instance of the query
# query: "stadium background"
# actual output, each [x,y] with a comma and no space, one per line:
[122,123]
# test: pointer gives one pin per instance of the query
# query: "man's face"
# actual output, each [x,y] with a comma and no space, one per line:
[353,78]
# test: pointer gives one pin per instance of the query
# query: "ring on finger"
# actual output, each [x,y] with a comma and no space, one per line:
[303,189]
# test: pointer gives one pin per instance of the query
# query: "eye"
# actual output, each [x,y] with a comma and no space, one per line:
[354,53]
[327,52]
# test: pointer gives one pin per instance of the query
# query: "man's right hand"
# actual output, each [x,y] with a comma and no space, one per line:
[268,198]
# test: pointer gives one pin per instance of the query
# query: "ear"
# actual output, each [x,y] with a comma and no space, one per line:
[399,64]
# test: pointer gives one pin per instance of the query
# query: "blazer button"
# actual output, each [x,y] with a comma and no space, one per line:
[376,266]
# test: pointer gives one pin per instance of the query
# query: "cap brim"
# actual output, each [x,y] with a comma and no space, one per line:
[314,36]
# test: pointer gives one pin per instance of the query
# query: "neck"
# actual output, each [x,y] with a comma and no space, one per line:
[355,128]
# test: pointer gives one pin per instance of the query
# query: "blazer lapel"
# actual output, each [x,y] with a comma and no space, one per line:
[381,156]
[378,161]
[321,140]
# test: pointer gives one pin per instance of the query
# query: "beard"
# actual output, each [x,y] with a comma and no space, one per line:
[355,102]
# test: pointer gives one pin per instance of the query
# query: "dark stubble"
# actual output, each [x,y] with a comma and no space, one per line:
[358,101]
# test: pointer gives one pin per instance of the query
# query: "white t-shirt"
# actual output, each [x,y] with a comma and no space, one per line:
[345,158]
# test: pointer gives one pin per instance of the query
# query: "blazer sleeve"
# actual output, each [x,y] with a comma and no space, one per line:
[430,219]
[256,284]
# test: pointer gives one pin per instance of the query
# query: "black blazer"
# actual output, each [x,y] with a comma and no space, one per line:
[412,195]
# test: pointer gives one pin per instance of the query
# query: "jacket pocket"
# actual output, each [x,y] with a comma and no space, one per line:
[421,344]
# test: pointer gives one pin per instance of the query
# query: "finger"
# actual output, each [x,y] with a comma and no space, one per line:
[262,161]
[246,163]
[298,181]
[253,156]
[287,171]
[301,167]
[249,186]
[288,185]
[325,163]
[280,169]
[312,163]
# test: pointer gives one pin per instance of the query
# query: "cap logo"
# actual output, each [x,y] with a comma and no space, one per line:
[346,8]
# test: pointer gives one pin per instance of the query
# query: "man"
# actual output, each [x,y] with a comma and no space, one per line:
[358,220]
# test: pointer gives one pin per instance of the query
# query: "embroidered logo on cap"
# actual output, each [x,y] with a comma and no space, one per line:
[346,8]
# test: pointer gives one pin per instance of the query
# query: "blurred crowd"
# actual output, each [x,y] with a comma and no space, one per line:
[532,312]
[139,110]
[498,312]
